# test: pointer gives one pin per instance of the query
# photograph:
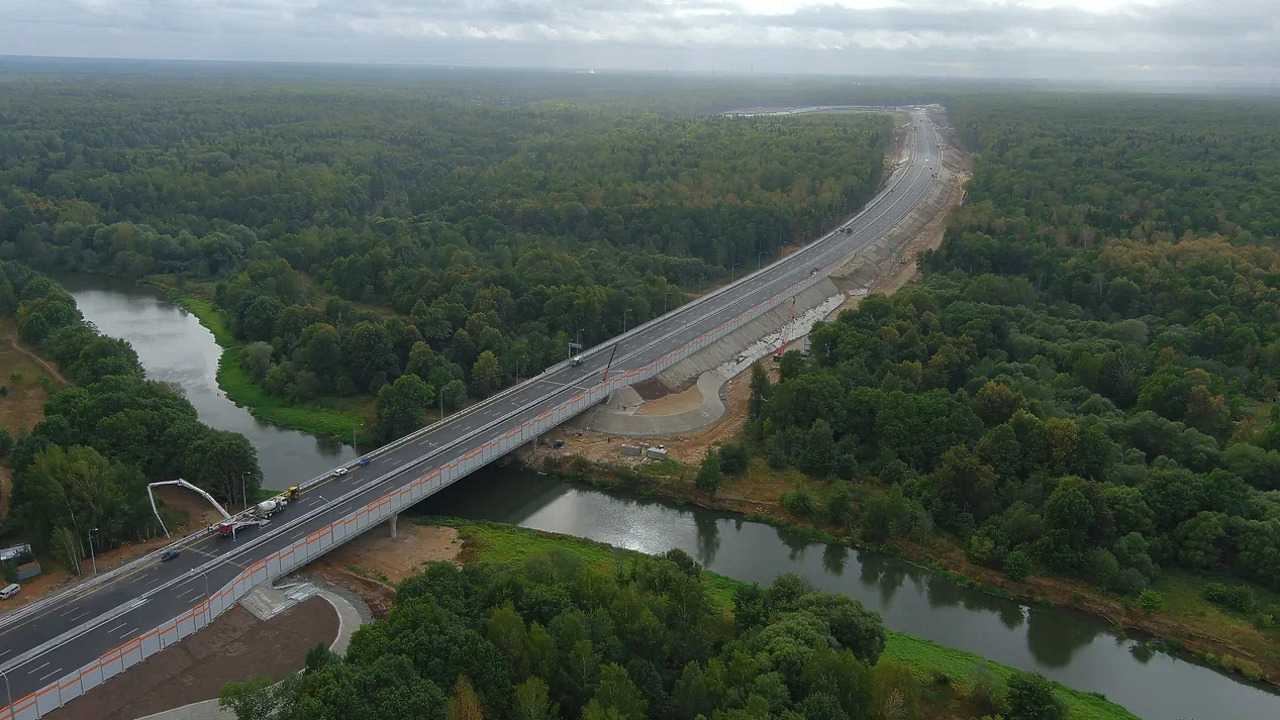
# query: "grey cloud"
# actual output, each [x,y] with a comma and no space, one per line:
[1233,39]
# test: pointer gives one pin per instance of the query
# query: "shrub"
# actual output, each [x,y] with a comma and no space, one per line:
[984,689]
[1248,668]
[1236,597]
[798,501]
[1017,565]
[1031,697]
[1150,600]
[733,458]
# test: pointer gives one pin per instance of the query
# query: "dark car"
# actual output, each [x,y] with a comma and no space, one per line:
[169,555]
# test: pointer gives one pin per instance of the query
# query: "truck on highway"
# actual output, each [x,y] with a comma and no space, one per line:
[259,515]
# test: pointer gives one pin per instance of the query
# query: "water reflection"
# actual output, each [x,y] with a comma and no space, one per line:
[1075,649]
[794,543]
[708,539]
[1054,642]
[834,558]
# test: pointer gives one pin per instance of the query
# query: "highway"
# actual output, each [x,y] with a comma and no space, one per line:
[39,648]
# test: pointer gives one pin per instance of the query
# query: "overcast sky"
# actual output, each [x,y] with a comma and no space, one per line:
[1178,41]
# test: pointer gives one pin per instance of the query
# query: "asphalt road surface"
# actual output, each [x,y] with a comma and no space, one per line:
[38,650]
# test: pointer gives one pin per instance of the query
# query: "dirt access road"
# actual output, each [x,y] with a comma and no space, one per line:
[371,565]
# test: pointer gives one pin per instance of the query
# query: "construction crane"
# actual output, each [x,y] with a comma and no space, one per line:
[782,341]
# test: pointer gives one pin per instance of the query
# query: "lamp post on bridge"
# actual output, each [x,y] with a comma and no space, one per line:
[8,693]
[92,557]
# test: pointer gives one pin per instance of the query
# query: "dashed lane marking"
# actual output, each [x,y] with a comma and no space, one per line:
[51,674]
[40,667]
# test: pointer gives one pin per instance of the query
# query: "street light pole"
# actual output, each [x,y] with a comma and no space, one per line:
[92,556]
[208,598]
[244,491]
[7,693]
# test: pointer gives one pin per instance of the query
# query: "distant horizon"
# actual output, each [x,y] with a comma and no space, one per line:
[8,62]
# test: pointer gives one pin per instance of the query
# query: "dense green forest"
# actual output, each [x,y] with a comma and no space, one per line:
[353,236]
[554,636]
[86,465]
[1085,381]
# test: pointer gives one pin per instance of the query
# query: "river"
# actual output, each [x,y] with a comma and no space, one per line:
[174,347]
[1076,649]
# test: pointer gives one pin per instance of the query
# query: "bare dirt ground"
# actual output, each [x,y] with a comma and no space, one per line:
[372,564]
[683,401]
[237,647]
[23,405]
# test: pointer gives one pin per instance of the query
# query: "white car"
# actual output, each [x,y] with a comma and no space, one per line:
[338,473]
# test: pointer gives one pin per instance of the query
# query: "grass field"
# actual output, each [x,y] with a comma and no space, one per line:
[336,418]
[504,544]
[1184,602]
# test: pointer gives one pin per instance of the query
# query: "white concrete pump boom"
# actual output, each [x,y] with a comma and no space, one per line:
[187,485]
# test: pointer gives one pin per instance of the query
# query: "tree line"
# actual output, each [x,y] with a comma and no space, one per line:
[1085,381]
[85,466]
[554,637]
[361,235]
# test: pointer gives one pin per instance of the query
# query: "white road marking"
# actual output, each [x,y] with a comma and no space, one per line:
[51,674]
[129,633]
[77,617]
[156,579]
[68,611]
[192,592]
[111,630]
[6,652]
[41,667]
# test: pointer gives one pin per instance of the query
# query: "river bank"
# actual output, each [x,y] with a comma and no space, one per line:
[174,345]
[337,419]
[946,674]
[1189,624]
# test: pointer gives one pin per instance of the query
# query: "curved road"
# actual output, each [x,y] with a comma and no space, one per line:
[40,648]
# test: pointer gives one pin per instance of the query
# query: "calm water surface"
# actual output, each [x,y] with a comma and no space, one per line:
[1076,649]
[173,346]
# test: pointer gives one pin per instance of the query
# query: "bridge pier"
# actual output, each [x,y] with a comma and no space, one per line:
[391,523]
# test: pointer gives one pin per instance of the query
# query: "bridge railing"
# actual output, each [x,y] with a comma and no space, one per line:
[315,544]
